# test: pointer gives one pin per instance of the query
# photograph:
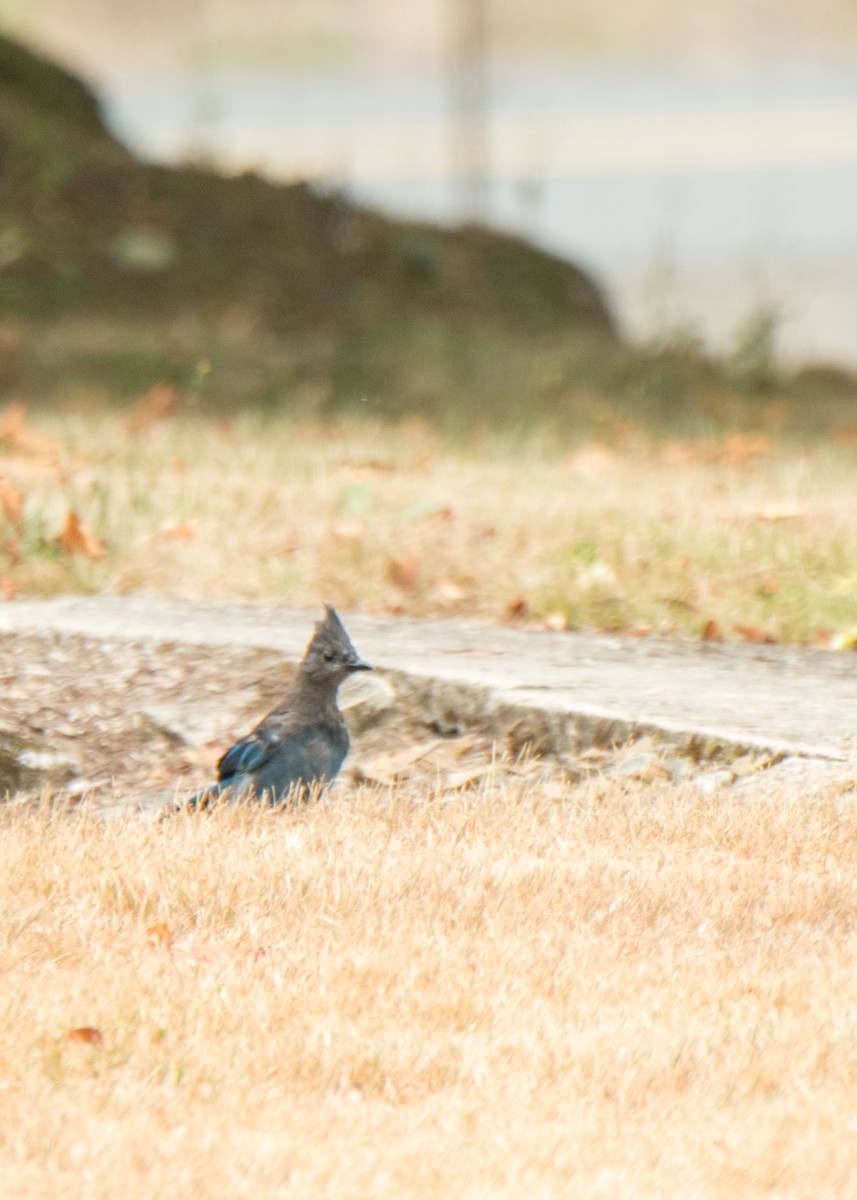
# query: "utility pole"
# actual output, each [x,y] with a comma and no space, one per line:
[469,154]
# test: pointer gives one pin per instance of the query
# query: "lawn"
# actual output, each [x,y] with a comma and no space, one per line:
[619,992]
[740,535]
[603,989]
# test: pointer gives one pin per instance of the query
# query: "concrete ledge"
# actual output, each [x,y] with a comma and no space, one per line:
[563,692]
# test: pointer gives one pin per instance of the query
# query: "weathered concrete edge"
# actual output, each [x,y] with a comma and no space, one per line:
[557,724]
[554,722]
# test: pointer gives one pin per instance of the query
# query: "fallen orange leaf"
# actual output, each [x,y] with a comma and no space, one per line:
[711,631]
[182,531]
[75,537]
[159,934]
[86,1035]
[556,621]
[516,609]
[757,635]
[405,572]
[7,589]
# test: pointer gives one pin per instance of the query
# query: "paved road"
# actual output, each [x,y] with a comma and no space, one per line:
[569,689]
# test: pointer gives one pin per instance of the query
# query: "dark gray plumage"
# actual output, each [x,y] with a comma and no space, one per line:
[303,741]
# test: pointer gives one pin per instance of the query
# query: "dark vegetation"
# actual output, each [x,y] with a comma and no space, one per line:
[117,274]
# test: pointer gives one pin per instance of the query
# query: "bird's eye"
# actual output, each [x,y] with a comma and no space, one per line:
[328,656]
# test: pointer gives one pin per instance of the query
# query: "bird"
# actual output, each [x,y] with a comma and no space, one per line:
[301,744]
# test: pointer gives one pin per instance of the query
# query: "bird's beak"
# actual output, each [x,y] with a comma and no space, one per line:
[357,664]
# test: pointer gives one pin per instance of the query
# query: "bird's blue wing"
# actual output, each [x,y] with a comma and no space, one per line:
[250,753]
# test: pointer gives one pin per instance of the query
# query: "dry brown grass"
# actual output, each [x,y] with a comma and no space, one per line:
[625,993]
[618,536]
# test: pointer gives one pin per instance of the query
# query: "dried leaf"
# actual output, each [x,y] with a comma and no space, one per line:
[757,635]
[86,1035]
[159,934]
[556,621]
[517,609]
[7,589]
[160,401]
[75,537]
[12,501]
[405,572]
[711,631]
[640,629]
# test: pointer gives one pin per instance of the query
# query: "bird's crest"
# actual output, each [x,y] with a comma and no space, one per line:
[330,651]
[330,632]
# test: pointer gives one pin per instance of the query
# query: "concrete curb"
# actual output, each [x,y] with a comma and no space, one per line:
[563,692]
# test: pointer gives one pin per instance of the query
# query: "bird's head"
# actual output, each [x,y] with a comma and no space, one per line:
[330,655]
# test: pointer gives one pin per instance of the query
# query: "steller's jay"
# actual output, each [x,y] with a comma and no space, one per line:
[303,741]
